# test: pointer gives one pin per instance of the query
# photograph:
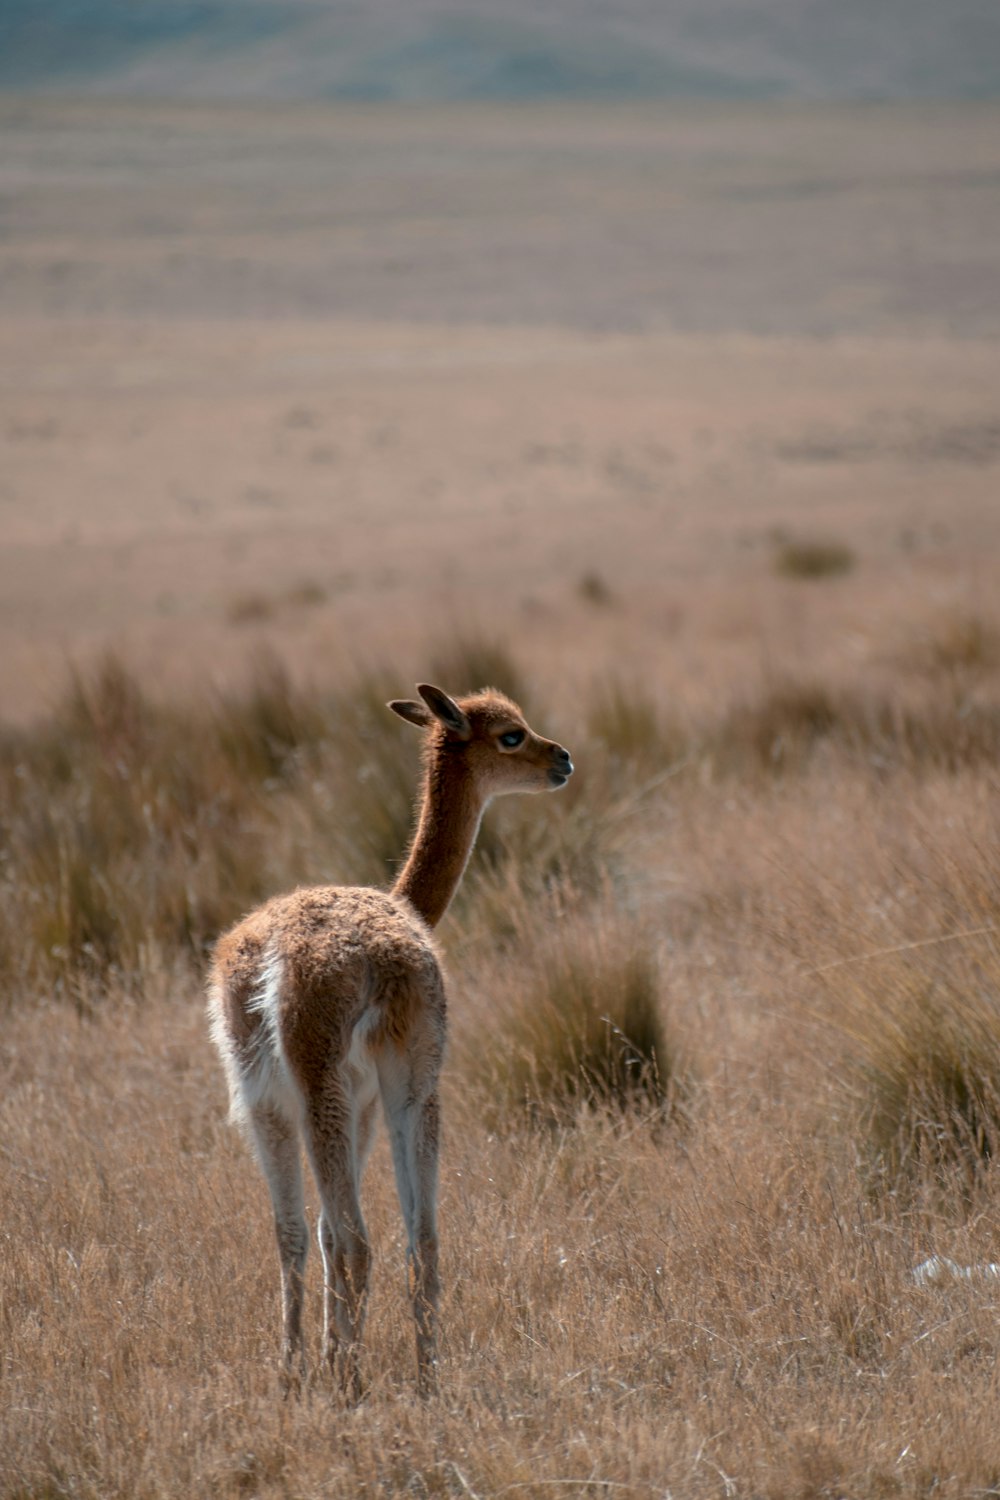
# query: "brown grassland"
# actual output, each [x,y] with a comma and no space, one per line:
[684,428]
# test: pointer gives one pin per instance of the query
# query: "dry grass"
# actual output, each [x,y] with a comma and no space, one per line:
[710,1299]
[812,557]
[582,1024]
[594,589]
[621,1310]
[784,727]
[961,642]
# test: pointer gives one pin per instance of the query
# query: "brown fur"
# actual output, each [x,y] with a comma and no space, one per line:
[343,947]
[321,998]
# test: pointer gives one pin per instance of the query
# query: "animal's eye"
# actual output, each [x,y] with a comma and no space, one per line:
[512,739]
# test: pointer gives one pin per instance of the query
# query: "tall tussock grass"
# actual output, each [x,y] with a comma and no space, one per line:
[960,642]
[788,722]
[126,827]
[626,720]
[269,730]
[577,1021]
[924,1046]
[469,662]
[133,829]
[906,1000]
[812,557]
[359,807]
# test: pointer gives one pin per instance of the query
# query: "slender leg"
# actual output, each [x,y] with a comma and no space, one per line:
[278,1151]
[365,1135]
[343,1241]
[413,1132]
[424,1280]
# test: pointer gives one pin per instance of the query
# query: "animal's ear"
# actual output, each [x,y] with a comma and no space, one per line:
[445,710]
[412,711]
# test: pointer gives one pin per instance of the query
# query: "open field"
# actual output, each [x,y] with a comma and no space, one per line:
[683,424]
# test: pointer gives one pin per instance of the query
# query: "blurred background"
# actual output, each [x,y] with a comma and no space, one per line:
[425,51]
[328,326]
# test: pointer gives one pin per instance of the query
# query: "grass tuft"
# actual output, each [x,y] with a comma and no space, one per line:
[306,594]
[777,731]
[266,730]
[960,642]
[594,589]
[580,1024]
[249,609]
[362,803]
[780,731]
[629,724]
[815,557]
[931,1071]
[129,828]
[472,662]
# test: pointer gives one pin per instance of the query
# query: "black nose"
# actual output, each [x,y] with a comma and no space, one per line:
[563,759]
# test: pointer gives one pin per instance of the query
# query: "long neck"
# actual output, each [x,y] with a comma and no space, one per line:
[448,822]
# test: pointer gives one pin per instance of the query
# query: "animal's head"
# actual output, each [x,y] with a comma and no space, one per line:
[489,735]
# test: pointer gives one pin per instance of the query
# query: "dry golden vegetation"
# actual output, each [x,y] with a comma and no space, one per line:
[812,558]
[725,1069]
[725,1013]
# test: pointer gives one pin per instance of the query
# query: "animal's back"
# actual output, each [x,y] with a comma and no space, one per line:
[304,976]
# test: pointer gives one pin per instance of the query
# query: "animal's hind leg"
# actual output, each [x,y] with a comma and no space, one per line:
[278,1151]
[409,1096]
[343,1238]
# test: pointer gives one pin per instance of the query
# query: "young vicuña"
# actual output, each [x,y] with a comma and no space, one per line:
[326,999]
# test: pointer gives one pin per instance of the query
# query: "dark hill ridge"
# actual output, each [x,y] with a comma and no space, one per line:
[424,50]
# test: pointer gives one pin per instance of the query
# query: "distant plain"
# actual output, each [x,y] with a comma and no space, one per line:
[439,363]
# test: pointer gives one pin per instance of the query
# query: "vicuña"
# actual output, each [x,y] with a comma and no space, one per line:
[324,1000]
